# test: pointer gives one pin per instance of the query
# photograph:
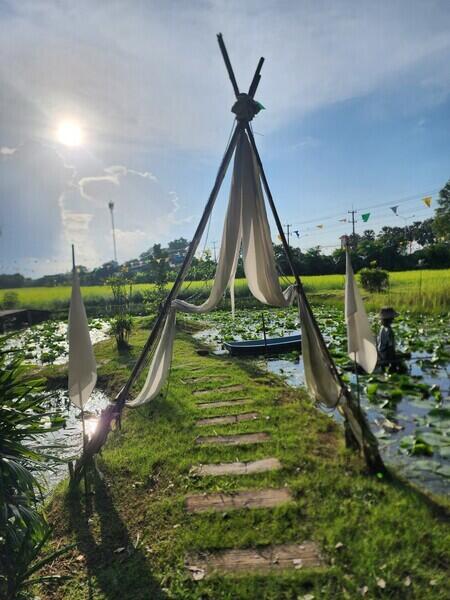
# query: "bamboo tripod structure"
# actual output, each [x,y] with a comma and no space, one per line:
[245,108]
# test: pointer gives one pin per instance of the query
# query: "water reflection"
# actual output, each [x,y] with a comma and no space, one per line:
[66,443]
[391,422]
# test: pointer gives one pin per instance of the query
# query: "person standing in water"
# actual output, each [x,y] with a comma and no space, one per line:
[386,338]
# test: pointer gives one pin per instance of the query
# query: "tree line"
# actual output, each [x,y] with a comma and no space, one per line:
[421,245]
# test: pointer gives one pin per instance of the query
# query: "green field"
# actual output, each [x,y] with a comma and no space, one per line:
[415,290]
[379,538]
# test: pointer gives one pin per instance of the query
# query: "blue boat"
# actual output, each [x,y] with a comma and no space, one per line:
[277,345]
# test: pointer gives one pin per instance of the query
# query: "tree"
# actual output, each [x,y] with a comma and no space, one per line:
[422,232]
[441,224]
[12,281]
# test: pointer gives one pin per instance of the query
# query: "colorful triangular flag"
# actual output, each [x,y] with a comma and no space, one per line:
[365,217]
[319,226]
[394,209]
[427,201]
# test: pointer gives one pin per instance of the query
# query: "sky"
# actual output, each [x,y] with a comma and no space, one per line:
[357,115]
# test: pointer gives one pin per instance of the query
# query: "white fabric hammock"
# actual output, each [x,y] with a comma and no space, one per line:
[246,225]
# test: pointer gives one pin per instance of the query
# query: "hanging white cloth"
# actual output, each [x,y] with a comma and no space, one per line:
[160,364]
[320,380]
[82,365]
[361,344]
[246,224]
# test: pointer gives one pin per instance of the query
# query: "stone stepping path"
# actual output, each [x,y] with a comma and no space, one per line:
[205,379]
[248,499]
[234,440]
[228,419]
[228,388]
[225,403]
[255,560]
[238,468]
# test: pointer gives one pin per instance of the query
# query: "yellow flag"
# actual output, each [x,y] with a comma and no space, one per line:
[427,201]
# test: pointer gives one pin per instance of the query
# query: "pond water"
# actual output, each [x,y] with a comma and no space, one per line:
[66,443]
[46,343]
[409,412]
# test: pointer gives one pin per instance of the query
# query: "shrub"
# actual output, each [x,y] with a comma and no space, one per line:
[121,323]
[10,300]
[374,280]
[121,326]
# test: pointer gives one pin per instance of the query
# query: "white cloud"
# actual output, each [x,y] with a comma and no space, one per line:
[55,207]
[150,74]
[5,151]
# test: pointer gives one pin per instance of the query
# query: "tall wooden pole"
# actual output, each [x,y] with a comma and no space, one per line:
[113,412]
[369,442]
[83,424]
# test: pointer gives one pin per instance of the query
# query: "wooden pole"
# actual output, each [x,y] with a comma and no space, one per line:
[370,444]
[83,425]
[256,79]
[113,412]
[264,332]
[227,62]
[184,268]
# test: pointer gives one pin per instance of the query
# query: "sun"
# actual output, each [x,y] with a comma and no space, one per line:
[69,133]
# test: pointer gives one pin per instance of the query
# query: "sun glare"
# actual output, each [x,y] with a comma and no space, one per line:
[69,133]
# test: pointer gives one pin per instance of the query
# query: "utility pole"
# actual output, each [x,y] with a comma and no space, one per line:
[353,213]
[111,208]
[214,250]
[288,231]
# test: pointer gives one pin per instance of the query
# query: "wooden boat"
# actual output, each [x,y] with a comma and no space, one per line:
[277,345]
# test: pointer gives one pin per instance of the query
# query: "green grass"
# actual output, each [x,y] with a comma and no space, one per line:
[414,290]
[383,529]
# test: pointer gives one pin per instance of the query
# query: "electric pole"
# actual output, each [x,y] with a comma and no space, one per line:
[353,213]
[111,208]
[288,232]
[214,250]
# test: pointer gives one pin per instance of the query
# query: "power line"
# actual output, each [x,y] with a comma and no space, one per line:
[381,205]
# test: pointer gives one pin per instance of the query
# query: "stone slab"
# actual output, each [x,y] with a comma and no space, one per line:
[205,378]
[225,403]
[221,390]
[228,419]
[237,468]
[233,440]
[305,555]
[268,498]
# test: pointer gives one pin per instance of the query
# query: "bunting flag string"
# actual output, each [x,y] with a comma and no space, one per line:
[427,201]
[394,209]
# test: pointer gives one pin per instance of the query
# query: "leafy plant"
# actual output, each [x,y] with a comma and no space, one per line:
[24,419]
[121,324]
[374,279]
[121,327]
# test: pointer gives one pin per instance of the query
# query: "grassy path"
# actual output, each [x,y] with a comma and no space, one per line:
[372,534]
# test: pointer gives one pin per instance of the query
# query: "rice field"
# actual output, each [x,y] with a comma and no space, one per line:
[414,290]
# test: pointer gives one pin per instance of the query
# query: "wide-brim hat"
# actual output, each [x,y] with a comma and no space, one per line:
[387,312]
